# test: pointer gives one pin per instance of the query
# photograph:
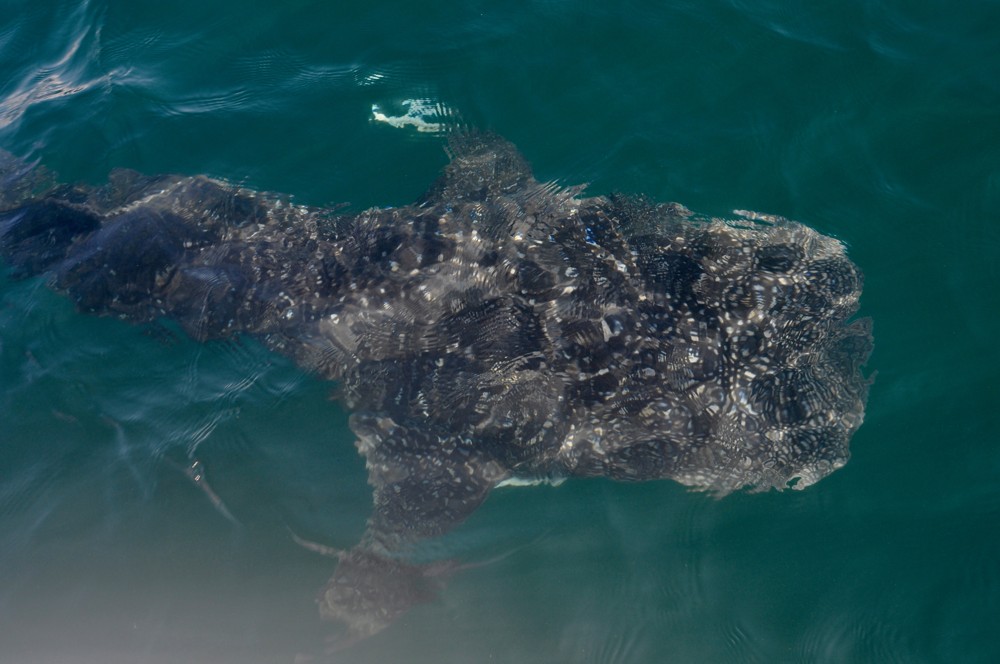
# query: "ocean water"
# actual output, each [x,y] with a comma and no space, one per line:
[877,122]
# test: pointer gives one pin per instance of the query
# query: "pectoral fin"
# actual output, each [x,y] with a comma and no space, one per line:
[425,482]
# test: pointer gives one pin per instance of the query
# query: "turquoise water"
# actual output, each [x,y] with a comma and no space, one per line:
[876,122]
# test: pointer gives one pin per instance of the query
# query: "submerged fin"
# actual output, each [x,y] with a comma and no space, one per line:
[425,482]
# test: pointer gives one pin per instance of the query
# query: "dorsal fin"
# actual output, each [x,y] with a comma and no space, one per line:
[483,166]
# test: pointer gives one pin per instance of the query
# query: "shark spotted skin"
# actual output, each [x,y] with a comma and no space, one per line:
[499,329]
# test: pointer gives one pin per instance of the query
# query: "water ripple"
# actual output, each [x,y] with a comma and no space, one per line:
[68,70]
[858,636]
[828,30]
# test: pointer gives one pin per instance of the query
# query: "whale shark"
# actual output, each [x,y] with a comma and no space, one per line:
[498,330]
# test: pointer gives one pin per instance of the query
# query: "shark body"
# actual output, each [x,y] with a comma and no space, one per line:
[498,330]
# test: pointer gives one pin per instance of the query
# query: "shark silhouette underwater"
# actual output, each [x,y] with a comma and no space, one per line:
[498,329]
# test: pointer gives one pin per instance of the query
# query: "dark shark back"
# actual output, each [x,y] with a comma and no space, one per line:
[498,329]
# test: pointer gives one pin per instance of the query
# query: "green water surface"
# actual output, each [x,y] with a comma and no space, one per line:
[876,122]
